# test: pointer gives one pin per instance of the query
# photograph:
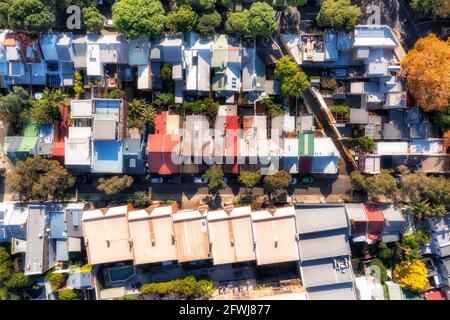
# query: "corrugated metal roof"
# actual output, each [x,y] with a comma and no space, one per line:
[318,218]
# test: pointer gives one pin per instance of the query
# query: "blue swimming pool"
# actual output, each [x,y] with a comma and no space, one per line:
[107,150]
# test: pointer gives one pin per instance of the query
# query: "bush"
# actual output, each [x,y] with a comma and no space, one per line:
[67,294]
[116,94]
[188,287]
[365,143]
[140,200]
[56,280]
[130,297]
[328,84]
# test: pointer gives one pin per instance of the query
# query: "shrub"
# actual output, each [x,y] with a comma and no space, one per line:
[188,287]
[67,294]
[56,280]
[383,270]
[140,200]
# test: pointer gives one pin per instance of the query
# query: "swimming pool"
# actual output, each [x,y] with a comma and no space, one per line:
[121,274]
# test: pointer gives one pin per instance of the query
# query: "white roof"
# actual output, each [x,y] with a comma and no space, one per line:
[325,147]
[81,108]
[77,151]
[13,213]
[374,36]
[144,77]
[79,132]
[93,64]
[291,147]
[391,148]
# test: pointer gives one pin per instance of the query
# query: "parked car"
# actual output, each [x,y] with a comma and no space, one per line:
[307,180]
[294,181]
[200,180]
[156,180]
[109,23]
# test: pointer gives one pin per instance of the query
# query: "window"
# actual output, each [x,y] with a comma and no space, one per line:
[2,234]
[132,163]
[2,217]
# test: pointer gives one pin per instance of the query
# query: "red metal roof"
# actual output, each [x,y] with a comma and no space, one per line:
[434,295]
[160,123]
[161,148]
[58,149]
[375,217]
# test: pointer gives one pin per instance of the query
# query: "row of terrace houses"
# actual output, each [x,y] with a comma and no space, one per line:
[239,145]
[198,65]
[314,236]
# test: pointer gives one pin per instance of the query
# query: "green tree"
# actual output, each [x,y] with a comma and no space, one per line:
[443,119]
[78,85]
[431,8]
[56,280]
[13,107]
[140,200]
[46,110]
[30,15]
[249,179]
[262,19]
[130,297]
[338,14]
[295,85]
[140,113]
[381,184]
[165,99]
[67,294]
[208,23]
[273,109]
[238,23]
[207,107]
[114,185]
[116,94]
[438,210]
[278,181]
[285,67]
[93,20]
[199,5]
[183,19]
[215,178]
[18,280]
[4,9]
[137,17]
[39,179]
[365,143]
[421,209]
[359,182]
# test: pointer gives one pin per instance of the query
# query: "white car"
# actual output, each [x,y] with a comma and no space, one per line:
[156,180]
[108,23]
[200,180]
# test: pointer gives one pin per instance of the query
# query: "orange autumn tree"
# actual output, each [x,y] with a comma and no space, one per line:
[427,72]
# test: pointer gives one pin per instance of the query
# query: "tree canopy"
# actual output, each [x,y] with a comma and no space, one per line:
[443,119]
[140,113]
[114,185]
[215,178]
[67,294]
[431,8]
[411,275]
[93,20]
[39,179]
[238,23]
[338,14]
[30,15]
[277,181]
[184,19]
[137,17]
[46,110]
[295,85]
[249,178]
[375,185]
[208,23]
[262,19]
[427,71]
[10,281]
[14,107]
[199,5]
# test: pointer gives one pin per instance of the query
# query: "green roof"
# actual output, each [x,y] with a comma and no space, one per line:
[30,130]
[28,144]
[306,144]
[219,52]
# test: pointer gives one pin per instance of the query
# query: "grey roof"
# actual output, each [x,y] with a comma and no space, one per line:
[44,148]
[318,218]
[394,131]
[62,250]
[394,290]
[79,280]
[36,241]
[355,212]
[325,272]
[253,71]
[343,291]
[359,116]
[395,222]
[131,146]
[74,225]
[13,143]
[439,224]
[324,245]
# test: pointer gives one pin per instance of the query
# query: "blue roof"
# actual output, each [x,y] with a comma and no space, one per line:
[46,132]
[107,106]
[62,250]
[108,156]
[48,46]
[57,225]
